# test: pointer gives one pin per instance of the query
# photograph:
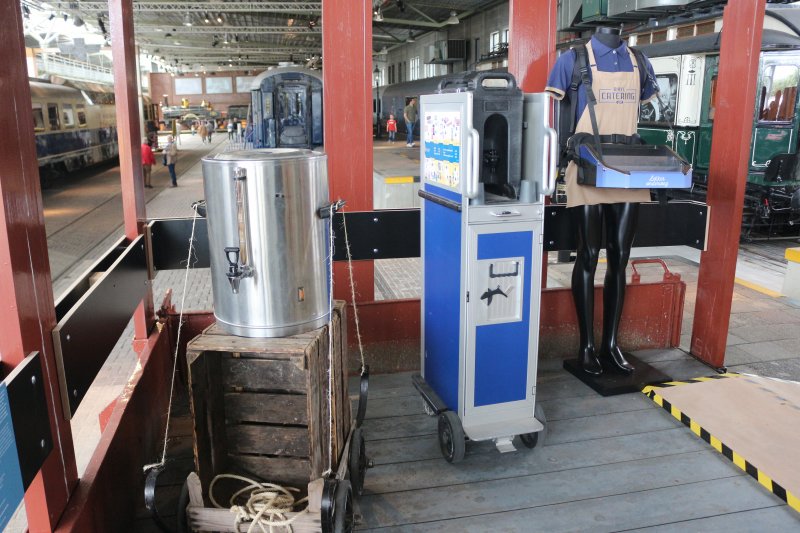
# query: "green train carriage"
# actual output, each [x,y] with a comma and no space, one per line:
[686,71]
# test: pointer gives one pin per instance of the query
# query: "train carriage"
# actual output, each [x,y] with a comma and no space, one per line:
[72,130]
[686,71]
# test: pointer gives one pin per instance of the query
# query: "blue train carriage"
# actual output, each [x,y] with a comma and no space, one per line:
[74,128]
[392,99]
[686,70]
[286,108]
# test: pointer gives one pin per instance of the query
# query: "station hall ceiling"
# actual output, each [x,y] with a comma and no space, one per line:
[189,35]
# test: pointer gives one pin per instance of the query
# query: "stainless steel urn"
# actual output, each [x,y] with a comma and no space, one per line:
[268,244]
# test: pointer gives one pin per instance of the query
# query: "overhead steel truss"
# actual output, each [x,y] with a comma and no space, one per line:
[214,30]
[201,7]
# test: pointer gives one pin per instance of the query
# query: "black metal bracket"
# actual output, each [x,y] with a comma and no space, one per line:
[429,396]
[88,331]
[29,416]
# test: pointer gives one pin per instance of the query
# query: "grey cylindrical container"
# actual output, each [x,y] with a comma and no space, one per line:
[268,245]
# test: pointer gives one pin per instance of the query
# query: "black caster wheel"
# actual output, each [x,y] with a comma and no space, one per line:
[363,392]
[358,462]
[536,440]
[337,507]
[451,437]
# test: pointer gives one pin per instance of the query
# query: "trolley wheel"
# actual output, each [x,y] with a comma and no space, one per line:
[363,392]
[343,512]
[451,437]
[337,511]
[358,462]
[536,440]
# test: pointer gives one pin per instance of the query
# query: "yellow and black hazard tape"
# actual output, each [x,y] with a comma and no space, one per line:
[650,391]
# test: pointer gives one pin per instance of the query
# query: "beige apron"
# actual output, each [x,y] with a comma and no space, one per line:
[617,111]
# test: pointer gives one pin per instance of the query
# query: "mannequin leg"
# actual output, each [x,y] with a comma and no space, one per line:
[588,221]
[620,220]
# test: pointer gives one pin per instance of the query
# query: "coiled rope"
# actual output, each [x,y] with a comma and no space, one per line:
[267,506]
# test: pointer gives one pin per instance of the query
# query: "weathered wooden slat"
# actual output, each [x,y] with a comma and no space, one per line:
[583,406]
[292,471]
[777,518]
[395,449]
[728,496]
[497,496]
[263,375]
[388,407]
[683,369]
[268,440]
[266,408]
[489,465]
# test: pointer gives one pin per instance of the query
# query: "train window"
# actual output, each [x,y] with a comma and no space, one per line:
[659,36]
[651,111]
[704,28]
[52,116]
[38,117]
[80,109]
[778,93]
[68,115]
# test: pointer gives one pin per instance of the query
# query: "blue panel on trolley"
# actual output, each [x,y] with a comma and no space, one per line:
[501,350]
[11,489]
[442,278]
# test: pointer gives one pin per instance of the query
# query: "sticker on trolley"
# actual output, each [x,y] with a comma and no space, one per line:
[498,288]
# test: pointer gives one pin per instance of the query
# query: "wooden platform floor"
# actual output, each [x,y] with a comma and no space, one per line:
[608,464]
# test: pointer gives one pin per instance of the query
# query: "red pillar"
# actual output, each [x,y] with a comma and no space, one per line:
[123,49]
[730,145]
[347,99]
[26,292]
[532,52]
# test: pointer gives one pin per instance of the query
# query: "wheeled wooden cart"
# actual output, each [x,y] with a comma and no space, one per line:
[277,410]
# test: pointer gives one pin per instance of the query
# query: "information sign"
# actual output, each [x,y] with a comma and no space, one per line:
[442,134]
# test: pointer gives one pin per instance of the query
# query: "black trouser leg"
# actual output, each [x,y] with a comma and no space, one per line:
[620,222]
[588,221]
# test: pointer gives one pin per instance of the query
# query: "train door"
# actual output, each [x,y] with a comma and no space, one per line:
[707,114]
[656,126]
[294,119]
[775,121]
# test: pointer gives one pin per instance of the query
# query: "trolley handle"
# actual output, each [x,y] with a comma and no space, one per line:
[668,275]
[474,81]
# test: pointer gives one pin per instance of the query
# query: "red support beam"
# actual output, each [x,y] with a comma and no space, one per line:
[123,50]
[26,290]
[347,99]
[730,144]
[532,50]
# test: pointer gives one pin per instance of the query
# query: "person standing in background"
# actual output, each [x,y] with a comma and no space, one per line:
[148,160]
[410,116]
[391,127]
[210,126]
[171,158]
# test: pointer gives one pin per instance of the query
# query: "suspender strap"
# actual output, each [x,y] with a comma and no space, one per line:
[582,63]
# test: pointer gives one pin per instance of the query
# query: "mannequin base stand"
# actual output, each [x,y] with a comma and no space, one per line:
[612,381]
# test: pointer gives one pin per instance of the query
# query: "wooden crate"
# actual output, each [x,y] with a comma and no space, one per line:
[260,406]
